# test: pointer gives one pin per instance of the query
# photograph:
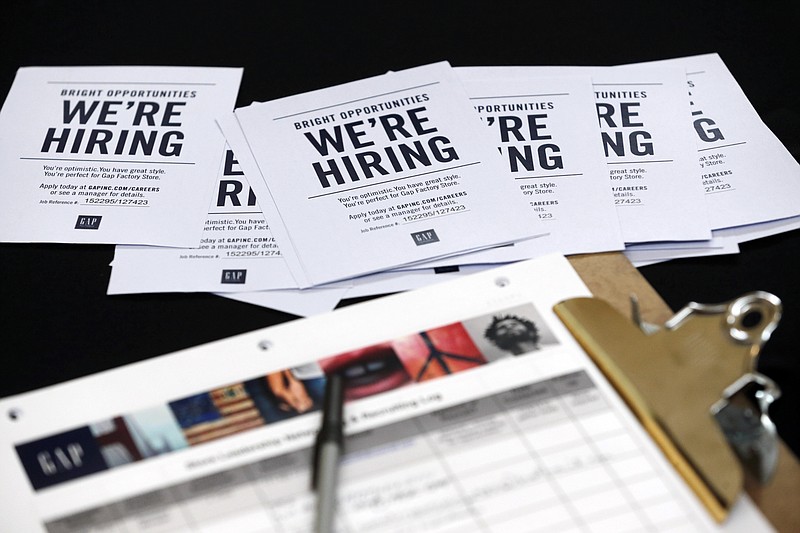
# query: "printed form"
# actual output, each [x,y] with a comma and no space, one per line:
[469,407]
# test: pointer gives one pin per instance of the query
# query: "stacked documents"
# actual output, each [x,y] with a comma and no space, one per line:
[387,183]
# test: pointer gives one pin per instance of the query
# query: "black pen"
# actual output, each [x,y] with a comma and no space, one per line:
[327,451]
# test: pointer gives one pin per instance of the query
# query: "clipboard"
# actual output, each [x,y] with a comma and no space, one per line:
[475,304]
[612,279]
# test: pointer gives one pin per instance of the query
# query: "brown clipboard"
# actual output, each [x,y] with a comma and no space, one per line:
[612,278]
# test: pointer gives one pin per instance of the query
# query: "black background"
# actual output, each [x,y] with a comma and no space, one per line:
[57,323]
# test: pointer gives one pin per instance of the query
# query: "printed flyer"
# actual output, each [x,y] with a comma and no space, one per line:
[647,142]
[747,175]
[237,252]
[379,173]
[120,155]
[542,128]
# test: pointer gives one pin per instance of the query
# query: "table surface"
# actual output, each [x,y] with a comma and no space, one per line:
[57,322]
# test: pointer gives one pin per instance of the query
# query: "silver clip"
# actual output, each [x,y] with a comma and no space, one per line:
[742,413]
[636,314]
[743,409]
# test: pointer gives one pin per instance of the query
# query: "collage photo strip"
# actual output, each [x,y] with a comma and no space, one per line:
[284,394]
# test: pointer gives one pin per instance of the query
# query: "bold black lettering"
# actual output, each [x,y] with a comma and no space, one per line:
[534,127]
[440,153]
[229,163]
[123,136]
[549,161]
[510,124]
[333,170]
[637,146]
[147,111]
[605,112]
[616,144]
[146,143]
[707,134]
[80,110]
[350,127]
[369,161]
[100,139]
[167,147]
[515,157]
[417,121]
[50,138]
[325,139]
[105,112]
[229,189]
[170,112]
[625,107]
[409,155]
[393,123]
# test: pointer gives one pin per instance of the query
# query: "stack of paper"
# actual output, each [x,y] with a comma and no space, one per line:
[391,182]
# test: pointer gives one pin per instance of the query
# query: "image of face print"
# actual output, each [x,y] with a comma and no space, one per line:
[513,333]
[510,332]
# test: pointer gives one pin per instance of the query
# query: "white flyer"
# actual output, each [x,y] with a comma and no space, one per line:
[647,140]
[237,252]
[469,407]
[540,128]
[380,173]
[121,155]
[747,174]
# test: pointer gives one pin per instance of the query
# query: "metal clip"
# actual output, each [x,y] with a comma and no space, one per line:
[693,385]
[743,410]
[743,415]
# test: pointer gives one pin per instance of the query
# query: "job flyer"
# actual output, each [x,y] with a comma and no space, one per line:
[379,173]
[236,253]
[542,128]
[747,175]
[123,155]
[647,142]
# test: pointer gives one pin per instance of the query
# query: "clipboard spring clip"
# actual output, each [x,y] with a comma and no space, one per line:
[739,327]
